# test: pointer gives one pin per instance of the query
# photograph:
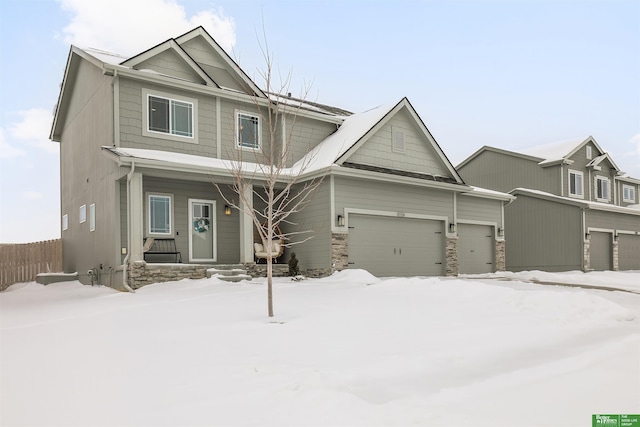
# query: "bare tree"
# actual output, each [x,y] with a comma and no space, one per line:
[282,190]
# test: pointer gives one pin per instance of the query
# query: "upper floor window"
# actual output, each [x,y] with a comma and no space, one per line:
[170,116]
[92,217]
[628,193]
[247,130]
[65,222]
[602,189]
[159,214]
[576,184]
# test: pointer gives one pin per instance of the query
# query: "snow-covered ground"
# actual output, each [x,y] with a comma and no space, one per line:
[345,350]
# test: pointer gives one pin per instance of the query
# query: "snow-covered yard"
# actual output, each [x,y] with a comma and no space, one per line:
[345,350]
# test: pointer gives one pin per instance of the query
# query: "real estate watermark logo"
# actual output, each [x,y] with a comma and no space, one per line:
[617,420]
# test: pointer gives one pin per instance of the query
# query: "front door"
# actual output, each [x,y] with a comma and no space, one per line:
[202,234]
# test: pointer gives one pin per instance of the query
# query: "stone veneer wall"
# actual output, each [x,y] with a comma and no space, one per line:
[141,273]
[586,255]
[616,261]
[501,262]
[260,270]
[451,251]
[339,251]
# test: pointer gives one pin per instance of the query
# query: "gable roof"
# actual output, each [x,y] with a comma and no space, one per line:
[356,130]
[587,204]
[560,151]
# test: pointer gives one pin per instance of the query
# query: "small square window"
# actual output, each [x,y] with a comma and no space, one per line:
[65,222]
[247,130]
[628,193]
[92,217]
[83,213]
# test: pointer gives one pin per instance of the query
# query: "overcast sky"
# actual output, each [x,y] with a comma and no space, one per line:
[510,74]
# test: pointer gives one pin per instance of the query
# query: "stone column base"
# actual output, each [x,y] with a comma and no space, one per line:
[451,251]
[339,251]
[501,263]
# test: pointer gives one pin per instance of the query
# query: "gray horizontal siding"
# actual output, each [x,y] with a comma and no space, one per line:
[612,221]
[227,227]
[419,156]
[171,64]
[383,196]
[132,121]
[316,252]
[303,134]
[477,209]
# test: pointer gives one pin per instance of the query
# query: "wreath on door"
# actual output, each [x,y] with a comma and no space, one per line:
[201,225]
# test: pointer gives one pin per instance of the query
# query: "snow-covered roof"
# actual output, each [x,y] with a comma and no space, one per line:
[335,145]
[104,56]
[554,151]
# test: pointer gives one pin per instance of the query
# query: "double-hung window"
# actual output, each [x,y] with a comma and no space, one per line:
[247,130]
[576,184]
[628,193]
[170,116]
[159,218]
[602,189]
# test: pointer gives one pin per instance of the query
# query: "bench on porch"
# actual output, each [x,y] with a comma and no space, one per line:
[162,248]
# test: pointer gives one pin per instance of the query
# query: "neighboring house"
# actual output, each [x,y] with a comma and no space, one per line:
[574,208]
[142,140]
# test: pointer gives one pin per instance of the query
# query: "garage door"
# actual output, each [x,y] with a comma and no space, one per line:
[475,249]
[392,246]
[628,252]
[601,257]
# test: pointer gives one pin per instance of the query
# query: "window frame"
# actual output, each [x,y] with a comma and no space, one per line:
[581,175]
[92,217]
[598,187]
[147,94]
[65,222]
[631,190]
[82,214]
[148,216]
[238,143]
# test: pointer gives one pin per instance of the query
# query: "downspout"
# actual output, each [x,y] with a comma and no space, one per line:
[125,262]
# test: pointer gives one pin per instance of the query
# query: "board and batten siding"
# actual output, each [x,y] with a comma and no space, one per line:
[85,178]
[503,172]
[132,121]
[315,253]
[477,209]
[543,235]
[418,155]
[227,227]
[352,193]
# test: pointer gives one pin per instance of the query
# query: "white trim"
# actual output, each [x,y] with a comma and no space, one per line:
[332,207]
[65,222]
[147,93]
[218,129]
[561,180]
[629,232]
[148,196]
[628,187]
[116,111]
[82,214]
[581,175]
[213,227]
[355,211]
[92,217]
[589,152]
[487,223]
[602,230]
[236,142]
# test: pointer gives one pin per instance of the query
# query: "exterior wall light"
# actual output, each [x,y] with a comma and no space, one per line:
[452,228]
[340,221]
[500,231]
[587,235]
[227,210]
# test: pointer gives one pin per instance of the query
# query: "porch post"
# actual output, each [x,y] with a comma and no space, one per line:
[136,212]
[246,227]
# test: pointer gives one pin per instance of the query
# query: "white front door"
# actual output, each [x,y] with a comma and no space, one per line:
[202,237]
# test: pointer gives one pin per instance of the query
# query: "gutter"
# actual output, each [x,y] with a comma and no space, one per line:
[126,258]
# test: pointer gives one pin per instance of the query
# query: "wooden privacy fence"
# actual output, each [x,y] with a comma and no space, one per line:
[22,262]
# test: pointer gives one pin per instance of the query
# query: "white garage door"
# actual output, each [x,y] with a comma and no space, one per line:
[601,254]
[392,246]
[475,249]
[628,252]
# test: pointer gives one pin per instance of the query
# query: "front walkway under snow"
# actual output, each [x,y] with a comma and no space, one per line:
[345,350]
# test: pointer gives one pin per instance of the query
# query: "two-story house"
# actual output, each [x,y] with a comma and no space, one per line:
[574,209]
[144,138]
